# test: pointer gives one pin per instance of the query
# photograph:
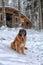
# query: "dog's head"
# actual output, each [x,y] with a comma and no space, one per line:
[22,33]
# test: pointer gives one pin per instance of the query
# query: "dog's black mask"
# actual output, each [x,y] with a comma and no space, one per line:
[22,32]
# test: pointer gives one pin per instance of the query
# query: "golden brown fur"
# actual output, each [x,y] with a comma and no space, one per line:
[19,43]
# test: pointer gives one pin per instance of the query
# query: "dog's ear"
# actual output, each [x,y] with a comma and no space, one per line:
[25,32]
[20,32]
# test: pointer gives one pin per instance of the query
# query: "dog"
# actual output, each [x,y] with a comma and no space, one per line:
[20,41]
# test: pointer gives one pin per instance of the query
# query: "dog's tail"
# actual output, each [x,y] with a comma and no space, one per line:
[26,48]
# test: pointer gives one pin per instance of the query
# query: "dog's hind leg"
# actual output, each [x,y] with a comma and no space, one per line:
[17,48]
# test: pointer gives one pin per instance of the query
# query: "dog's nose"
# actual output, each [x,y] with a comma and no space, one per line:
[22,36]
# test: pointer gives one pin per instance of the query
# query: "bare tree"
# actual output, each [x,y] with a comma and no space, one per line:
[3,12]
[40,15]
[19,10]
[32,12]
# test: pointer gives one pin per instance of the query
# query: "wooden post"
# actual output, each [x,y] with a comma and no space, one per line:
[13,20]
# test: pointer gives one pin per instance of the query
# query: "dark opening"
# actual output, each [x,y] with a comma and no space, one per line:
[42,20]
[16,20]
[9,20]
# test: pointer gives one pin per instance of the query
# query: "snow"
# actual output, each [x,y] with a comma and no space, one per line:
[34,42]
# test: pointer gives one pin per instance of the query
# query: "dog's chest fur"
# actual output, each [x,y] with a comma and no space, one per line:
[21,45]
[21,42]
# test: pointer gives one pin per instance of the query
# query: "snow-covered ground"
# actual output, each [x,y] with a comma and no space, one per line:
[34,54]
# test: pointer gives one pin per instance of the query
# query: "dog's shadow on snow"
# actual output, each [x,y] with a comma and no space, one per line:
[8,49]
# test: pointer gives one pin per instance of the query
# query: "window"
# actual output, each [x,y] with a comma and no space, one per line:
[28,0]
[16,20]
[35,3]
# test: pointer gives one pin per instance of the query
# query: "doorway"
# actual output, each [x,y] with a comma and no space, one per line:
[42,20]
[9,20]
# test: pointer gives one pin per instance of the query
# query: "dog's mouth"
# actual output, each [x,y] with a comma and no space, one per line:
[22,36]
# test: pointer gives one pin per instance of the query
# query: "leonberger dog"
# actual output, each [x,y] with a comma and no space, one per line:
[20,41]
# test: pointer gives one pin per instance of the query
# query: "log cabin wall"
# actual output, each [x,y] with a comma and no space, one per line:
[12,14]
